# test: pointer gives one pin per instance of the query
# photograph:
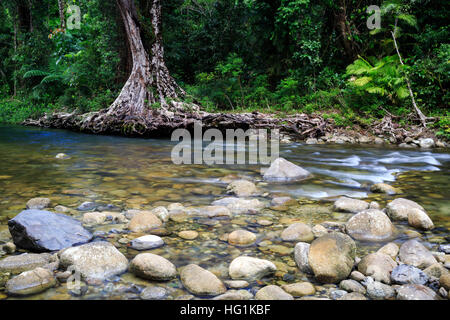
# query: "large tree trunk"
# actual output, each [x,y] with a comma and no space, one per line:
[344,31]
[61,6]
[148,84]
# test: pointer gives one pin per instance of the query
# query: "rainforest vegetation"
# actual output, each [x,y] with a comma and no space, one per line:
[279,56]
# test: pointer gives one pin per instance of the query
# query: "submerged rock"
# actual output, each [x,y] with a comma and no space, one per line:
[249,268]
[242,188]
[370,225]
[144,221]
[38,230]
[332,256]
[298,232]
[38,203]
[384,188]
[200,281]
[31,282]
[239,205]
[346,204]
[398,209]
[283,170]
[25,262]
[188,234]
[241,237]
[153,293]
[94,261]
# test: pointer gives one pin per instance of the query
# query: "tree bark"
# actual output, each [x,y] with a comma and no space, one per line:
[62,19]
[344,30]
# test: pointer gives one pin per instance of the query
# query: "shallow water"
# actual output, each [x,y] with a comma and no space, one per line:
[139,173]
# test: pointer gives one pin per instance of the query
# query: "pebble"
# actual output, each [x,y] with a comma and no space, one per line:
[188,234]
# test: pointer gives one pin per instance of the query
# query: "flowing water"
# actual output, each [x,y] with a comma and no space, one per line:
[138,174]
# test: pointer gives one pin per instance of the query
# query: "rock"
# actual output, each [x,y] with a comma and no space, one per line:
[94,218]
[374,205]
[283,170]
[236,284]
[282,201]
[301,252]
[94,261]
[370,225]
[379,291]
[31,282]
[200,281]
[426,143]
[212,211]
[144,221]
[412,252]
[337,294]
[86,206]
[242,188]
[444,281]
[319,230]
[235,295]
[9,247]
[436,270]
[416,292]
[378,266]
[61,209]
[357,276]
[406,274]
[239,205]
[38,203]
[345,204]
[444,248]
[331,257]
[419,219]
[378,140]
[37,230]
[153,293]
[250,268]
[353,296]
[147,242]
[391,249]
[188,234]
[311,141]
[153,267]
[272,292]
[398,209]
[299,289]
[24,262]
[62,156]
[352,286]
[297,232]
[162,213]
[241,237]
[384,188]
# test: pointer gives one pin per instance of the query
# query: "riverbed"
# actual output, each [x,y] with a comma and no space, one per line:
[132,173]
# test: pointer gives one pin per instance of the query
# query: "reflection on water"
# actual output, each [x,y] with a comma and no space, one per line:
[138,173]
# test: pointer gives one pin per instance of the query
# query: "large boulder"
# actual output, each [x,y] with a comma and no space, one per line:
[153,267]
[283,170]
[200,281]
[346,204]
[414,253]
[94,261]
[370,225]
[331,257]
[24,262]
[31,282]
[416,292]
[250,268]
[41,231]
[377,265]
[298,232]
[398,209]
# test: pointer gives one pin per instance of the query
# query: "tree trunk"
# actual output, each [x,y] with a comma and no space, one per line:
[62,19]
[344,31]
[149,82]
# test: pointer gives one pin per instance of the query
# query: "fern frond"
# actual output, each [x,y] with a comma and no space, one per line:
[362,81]
[35,73]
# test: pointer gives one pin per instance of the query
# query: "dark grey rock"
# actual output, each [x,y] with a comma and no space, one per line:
[40,231]
[406,274]
[86,206]
[444,248]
